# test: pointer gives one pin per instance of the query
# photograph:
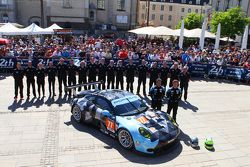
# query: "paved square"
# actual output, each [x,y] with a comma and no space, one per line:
[43,133]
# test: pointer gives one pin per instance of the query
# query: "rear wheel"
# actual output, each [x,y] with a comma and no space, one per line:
[77,114]
[125,139]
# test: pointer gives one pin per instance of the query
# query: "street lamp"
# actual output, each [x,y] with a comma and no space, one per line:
[148,4]
[42,13]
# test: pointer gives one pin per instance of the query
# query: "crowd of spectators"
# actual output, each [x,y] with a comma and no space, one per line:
[155,49]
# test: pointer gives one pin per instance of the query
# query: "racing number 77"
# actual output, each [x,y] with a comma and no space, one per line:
[110,125]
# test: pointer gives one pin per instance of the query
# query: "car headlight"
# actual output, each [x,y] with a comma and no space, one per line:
[145,133]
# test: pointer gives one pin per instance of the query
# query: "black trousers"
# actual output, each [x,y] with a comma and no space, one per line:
[32,83]
[92,78]
[41,84]
[130,82]
[82,80]
[51,85]
[185,88]
[156,104]
[141,80]
[119,80]
[19,85]
[62,79]
[111,80]
[174,106]
[71,81]
[103,80]
[151,82]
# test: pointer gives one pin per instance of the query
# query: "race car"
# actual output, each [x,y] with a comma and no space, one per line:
[126,117]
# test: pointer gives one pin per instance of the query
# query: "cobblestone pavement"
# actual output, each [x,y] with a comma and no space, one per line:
[43,133]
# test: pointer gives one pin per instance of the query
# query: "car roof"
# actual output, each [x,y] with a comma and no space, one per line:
[113,94]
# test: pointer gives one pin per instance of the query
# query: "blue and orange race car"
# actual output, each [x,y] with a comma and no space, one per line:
[126,117]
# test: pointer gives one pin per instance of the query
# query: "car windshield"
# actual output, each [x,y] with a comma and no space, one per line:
[130,105]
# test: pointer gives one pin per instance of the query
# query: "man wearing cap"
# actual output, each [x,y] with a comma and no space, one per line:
[119,74]
[51,72]
[174,96]
[30,76]
[157,92]
[184,79]
[130,74]
[102,69]
[142,76]
[174,73]
[18,77]
[62,75]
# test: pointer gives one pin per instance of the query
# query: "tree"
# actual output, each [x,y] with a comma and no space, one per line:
[248,20]
[192,21]
[233,22]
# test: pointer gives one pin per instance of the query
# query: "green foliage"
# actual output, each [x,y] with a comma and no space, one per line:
[233,22]
[192,21]
[248,20]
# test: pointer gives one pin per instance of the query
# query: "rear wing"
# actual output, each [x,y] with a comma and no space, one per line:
[67,88]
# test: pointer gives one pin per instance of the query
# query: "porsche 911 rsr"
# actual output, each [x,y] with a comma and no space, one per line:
[127,117]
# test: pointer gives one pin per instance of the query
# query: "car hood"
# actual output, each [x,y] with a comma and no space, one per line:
[158,123]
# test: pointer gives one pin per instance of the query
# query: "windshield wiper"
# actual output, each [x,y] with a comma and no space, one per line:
[133,105]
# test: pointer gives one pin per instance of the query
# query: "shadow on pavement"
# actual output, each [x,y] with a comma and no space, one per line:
[27,104]
[169,154]
[62,100]
[15,105]
[38,102]
[185,138]
[188,106]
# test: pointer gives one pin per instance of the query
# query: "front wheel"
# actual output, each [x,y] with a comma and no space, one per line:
[77,114]
[125,139]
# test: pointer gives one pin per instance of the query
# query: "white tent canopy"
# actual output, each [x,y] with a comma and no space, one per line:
[195,33]
[9,29]
[142,30]
[227,39]
[161,30]
[50,29]
[177,32]
[32,29]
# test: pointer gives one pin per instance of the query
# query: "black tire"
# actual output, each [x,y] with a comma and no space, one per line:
[125,139]
[77,114]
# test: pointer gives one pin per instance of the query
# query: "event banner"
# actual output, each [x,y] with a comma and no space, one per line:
[198,70]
